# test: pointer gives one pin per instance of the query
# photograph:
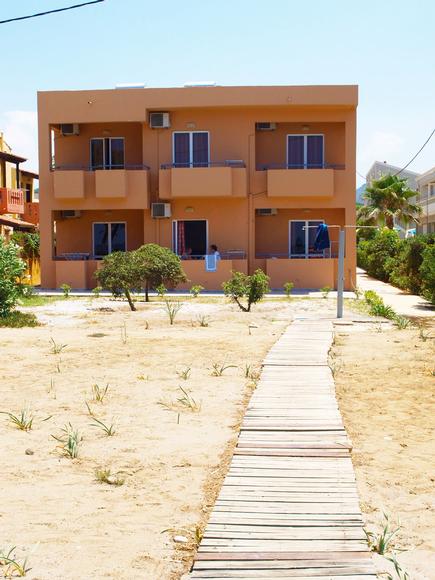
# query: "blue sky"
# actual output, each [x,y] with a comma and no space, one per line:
[386,47]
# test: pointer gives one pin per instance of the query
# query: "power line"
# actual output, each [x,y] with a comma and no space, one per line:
[50,11]
[417,154]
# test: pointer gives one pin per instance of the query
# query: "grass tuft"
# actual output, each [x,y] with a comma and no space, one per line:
[381,541]
[17,319]
[57,347]
[109,430]
[99,393]
[70,439]
[106,476]
[12,566]
[22,421]
[218,369]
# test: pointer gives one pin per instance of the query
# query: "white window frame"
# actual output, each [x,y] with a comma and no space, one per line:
[103,139]
[307,254]
[305,135]
[109,239]
[190,133]
[175,232]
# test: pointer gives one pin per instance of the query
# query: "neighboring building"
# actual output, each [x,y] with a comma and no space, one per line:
[426,198]
[18,208]
[250,169]
[379,168]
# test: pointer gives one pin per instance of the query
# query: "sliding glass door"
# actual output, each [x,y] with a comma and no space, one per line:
[305,152]
[301,239]
[107,153]
[191,149]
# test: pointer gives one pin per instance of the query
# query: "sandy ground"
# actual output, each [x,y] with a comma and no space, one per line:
[172,459]
[386,391]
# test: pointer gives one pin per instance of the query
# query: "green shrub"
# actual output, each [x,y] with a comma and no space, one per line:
[17,319]
[161,290]
[97,291]
[251,288]
[406,271]
[377,307]
[196,290]
[377,256]
[288,287]
[11,269]
[427,272]
[66,289]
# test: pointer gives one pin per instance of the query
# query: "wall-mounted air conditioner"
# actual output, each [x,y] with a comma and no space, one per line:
[68,129]
[265,126]
[160,210]
[70,213]
[160,120]
[266,211]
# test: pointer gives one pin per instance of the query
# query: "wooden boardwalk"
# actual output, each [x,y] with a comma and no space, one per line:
[288,507]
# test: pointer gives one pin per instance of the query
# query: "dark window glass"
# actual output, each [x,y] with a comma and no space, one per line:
[118,237]
[116,153]
[200,149]
[315,151]
[182,149]
[101,239]
[297,238]
[295,151]
[97,154]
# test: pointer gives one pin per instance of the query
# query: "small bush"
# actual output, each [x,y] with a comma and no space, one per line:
[325,291]
[249,288]
[288,287]
[97,291]
[377,307]
[66,289]
[161,290]
[196,290]
[172,309]
[11,269]
[377,256]
[17,319]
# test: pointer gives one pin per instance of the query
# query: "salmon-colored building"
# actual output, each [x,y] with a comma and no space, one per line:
[252,170]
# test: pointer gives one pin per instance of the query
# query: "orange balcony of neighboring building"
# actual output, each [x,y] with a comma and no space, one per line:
[11,200]
[213,180]
[131,182]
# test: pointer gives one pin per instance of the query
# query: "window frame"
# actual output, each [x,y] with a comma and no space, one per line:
[109,165]
[175,232]
[305,136]
[191,161]
[109,237]
[306,255]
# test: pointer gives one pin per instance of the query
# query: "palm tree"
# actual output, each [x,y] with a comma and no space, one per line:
[388,200]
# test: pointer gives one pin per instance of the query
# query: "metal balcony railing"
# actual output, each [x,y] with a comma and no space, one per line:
[228,163]
[72,167]
[265,167]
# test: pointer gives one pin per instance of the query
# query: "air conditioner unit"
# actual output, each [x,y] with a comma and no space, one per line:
[265,126]
[160,210]
[68,129]
[266,211]
[160,120]
[70,213]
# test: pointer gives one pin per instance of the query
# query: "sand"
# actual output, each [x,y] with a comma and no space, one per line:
[172,459]
[386,393]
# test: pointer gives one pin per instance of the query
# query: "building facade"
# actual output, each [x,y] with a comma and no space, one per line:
[426,199]
[18,204]
[252,170]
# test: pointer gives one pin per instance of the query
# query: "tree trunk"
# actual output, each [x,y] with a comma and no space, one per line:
[147,288]
[389,222]
[130,301]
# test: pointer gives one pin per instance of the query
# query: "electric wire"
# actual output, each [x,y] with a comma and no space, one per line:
[50,11]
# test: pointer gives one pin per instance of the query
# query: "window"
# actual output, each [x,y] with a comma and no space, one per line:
[305,151]
[107,153]
[109,237]
[28,192]
[189,238]
[301,238]
[431,189]
[191,149]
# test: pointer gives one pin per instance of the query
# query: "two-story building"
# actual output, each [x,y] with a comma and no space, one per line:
[252,170]
[426,199]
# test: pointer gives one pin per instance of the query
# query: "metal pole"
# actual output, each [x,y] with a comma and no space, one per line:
[340,277]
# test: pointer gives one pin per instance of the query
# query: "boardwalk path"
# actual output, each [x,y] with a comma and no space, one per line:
[289,506]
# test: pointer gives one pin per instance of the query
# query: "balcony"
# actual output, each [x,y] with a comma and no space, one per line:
[11,200]
[286,181]
[213,180]
[130,183]
[304,273]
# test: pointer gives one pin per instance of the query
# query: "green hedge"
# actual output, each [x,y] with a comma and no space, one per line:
[408,264]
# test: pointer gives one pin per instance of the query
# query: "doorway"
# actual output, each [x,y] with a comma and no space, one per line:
[189,238]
